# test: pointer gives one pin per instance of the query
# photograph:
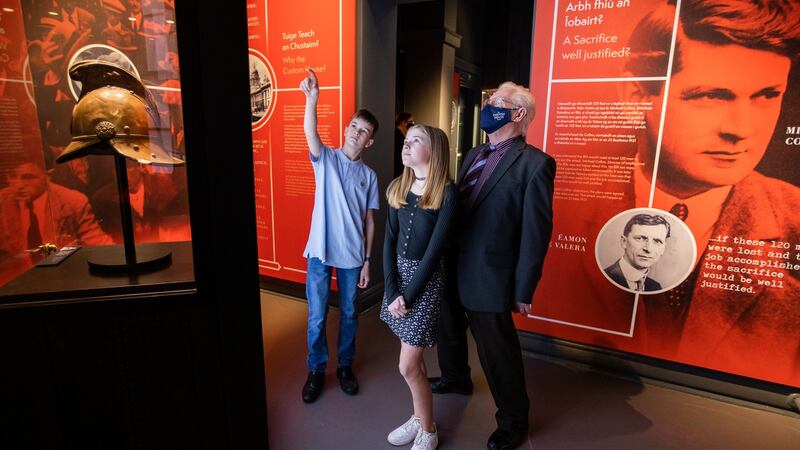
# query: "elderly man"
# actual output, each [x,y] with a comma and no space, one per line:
[504,226]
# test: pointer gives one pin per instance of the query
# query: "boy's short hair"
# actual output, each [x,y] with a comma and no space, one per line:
[367,117]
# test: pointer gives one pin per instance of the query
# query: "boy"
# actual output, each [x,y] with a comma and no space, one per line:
[342,228]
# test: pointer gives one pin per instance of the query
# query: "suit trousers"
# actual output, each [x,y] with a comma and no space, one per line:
[501,360]
[499,352]
[451,345]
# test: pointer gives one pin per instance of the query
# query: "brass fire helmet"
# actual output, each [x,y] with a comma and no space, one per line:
[114,114]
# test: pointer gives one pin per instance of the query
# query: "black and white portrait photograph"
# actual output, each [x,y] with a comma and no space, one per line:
[645,250]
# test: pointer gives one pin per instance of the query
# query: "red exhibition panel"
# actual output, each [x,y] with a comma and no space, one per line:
[20,138]
[285,40]
[651,114]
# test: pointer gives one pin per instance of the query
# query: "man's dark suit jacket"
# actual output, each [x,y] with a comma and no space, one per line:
[502,238]
[614,272]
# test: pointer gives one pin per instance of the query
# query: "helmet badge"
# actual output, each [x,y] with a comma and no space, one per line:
[105,130]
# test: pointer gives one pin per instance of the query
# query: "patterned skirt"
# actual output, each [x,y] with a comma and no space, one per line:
[420,325]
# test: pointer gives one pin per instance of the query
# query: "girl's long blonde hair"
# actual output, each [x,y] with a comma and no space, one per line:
[438,176]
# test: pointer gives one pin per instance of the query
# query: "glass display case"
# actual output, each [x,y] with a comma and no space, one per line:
[47,206]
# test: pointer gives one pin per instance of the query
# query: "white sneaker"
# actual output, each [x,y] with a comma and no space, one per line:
[405,433]
[425,440]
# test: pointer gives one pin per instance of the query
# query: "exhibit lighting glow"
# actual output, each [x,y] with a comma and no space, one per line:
[170,21]
[8,10]
[132,19]
[52,13]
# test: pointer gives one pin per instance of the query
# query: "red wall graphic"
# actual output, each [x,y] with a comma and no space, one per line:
[285,40]
[686,114]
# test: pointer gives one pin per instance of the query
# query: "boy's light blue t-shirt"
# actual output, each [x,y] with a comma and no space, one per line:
[344,191]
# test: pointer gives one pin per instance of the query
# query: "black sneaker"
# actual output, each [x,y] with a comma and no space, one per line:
[347,379]
[313,386]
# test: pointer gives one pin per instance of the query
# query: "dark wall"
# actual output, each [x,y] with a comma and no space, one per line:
[506,42]
[472,30]
[377,37]
[420,15]
[214,54]
[122,374]
[496,36]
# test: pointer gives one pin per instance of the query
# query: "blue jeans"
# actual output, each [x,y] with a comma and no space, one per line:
[318,285]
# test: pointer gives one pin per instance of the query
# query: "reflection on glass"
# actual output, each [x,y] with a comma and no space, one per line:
[76,203]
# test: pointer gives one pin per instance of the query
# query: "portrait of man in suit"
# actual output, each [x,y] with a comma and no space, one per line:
[643,242]
[730,72]
[731,67]
[35,211]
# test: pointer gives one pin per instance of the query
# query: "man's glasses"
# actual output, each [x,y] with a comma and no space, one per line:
[500,102]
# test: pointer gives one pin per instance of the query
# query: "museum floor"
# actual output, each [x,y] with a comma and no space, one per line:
[572,406]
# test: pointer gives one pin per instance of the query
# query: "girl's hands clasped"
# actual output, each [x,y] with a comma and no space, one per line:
[398,307]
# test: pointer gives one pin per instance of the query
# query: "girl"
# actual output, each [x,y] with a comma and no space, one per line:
[422,205]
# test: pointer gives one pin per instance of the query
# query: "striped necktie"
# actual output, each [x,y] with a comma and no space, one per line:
[474,174]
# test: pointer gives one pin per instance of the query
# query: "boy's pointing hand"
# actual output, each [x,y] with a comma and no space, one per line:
[310,85]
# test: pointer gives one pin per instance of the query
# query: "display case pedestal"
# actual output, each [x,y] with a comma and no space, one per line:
[135,258]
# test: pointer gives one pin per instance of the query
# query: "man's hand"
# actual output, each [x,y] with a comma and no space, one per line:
[521,308]
[398,307]
[364,278]
[310,85]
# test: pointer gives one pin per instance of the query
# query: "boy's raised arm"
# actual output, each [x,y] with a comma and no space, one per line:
[310,87]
